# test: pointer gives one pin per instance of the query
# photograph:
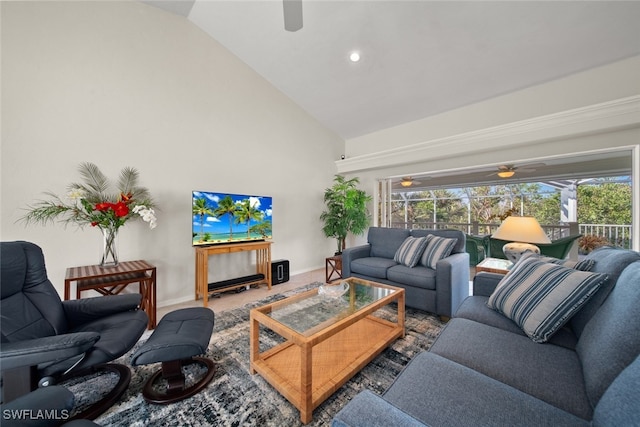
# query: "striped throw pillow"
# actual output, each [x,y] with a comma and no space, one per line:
[411,250]
[584,265]
[541,297]
[437,249]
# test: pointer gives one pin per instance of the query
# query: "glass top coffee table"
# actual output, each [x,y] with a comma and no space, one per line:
[494,265]
[328,339]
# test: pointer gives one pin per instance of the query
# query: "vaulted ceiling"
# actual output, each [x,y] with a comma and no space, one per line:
[421,58]
[418,58]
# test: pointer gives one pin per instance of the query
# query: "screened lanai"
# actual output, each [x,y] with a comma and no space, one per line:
[595,207]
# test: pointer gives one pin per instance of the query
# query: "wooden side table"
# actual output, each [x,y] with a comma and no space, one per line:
[333,266]
[112,280]
[494,265]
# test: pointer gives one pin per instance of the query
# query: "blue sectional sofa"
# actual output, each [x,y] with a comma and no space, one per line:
[437,290]
[484,371]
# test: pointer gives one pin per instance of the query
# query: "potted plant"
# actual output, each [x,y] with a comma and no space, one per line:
[589,242]
[346,210]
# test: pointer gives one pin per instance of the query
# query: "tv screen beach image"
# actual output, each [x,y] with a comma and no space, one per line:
[227,218]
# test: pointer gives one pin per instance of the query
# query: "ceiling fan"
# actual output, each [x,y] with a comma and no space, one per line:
[407,181]
[292,14]
[507,171]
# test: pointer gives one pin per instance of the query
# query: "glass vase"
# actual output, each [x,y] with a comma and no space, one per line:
[109,247]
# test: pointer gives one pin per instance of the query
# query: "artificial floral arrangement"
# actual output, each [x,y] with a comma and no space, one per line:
[92,203]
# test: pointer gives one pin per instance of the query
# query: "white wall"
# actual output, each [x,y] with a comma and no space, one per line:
[125,84]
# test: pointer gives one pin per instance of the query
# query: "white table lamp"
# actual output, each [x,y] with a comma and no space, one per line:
[523,232]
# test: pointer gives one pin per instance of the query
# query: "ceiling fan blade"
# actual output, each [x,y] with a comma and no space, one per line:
[532,165]
[292,14]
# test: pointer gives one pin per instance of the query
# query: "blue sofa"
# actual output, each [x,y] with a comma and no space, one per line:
[484,371]
[440,290]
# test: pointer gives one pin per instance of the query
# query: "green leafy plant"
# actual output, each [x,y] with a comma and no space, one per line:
[346,210]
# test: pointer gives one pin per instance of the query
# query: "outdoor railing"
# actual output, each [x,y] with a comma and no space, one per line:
[617,235]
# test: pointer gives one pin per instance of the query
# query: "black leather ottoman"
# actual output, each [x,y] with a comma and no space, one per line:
[179,337]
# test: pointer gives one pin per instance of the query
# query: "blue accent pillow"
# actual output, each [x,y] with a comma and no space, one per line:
[541,297]
[583,265]
[437,249]
[411,250]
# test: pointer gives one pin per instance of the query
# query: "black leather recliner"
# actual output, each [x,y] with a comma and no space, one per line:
[46,340]
[44,407]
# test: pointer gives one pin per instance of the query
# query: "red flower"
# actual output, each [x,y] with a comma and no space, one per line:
[104,206]
[127,198]
[120,209]
[94,223]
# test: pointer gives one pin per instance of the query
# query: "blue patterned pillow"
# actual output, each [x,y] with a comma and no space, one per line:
[584,265]
[411,250]
[437,249]
[541,297]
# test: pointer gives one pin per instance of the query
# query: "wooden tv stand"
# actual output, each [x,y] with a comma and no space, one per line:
[263,265]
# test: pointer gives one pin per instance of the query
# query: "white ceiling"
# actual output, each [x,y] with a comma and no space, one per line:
[419,58]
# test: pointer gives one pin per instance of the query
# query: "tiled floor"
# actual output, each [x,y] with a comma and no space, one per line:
[232,300]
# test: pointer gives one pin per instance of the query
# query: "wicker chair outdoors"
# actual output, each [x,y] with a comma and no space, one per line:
[476,248]
[558,248]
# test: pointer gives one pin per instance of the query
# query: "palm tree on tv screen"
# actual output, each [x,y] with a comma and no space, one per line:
[246,212]
[201,209]
[226,206]
[263,228]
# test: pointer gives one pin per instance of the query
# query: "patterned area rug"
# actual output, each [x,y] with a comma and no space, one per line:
[237,398]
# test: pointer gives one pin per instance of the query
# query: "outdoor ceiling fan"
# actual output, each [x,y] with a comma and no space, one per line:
[507,171]
[292,14]
[407,181]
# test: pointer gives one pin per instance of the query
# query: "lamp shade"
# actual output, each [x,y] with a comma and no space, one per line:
[521,229]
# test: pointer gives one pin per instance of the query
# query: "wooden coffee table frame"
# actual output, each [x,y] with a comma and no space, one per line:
[308,369]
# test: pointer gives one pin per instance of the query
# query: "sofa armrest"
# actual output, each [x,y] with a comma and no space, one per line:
[352,253]
[370,410]
[46,349]
[484,283]
[452,283]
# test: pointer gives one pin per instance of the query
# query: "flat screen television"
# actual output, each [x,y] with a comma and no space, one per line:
[229,218]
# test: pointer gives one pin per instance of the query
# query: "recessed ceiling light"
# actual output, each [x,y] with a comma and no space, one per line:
[354,57]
